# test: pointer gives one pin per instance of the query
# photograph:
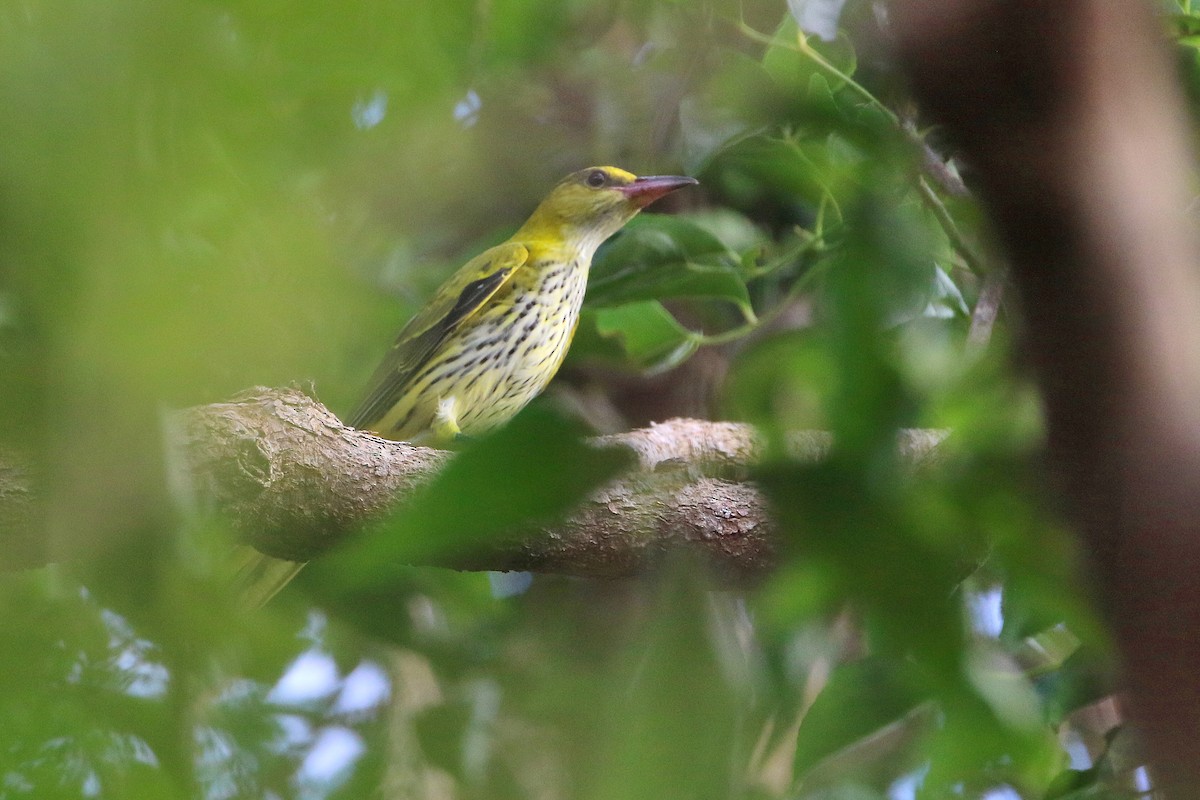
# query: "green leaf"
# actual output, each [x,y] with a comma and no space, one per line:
[859,699]
[650,337]
[442,731]
[655,238]
[673,279]
[674,699]
[781,384]
[1047,650]
[736,231]
[1074,784]
[729,106]
[1084,678]
[664,256]
[784,172]
[530,472]
[792,69]
[1185,25]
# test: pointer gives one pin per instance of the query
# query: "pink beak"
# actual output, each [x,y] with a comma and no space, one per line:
[644,191]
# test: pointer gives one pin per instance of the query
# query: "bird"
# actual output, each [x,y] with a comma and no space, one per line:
[495,333]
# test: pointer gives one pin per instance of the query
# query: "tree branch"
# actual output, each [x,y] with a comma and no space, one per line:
[295,482]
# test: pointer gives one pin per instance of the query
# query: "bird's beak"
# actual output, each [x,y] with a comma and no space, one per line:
[645,190]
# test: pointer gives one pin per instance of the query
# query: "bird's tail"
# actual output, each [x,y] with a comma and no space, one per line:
[259,577]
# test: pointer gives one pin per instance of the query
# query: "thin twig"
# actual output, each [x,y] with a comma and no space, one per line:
[987,309]
[933,165]
[942,215]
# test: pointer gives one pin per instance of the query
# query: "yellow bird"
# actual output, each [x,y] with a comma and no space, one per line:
[495,333]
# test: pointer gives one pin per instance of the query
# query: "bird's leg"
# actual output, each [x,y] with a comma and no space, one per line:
[445,420]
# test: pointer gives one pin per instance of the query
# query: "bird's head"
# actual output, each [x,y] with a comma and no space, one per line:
[592,204]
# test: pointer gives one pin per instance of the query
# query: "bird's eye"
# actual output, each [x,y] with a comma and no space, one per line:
[597,179]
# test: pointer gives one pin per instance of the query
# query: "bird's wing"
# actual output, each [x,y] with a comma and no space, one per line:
[457,299]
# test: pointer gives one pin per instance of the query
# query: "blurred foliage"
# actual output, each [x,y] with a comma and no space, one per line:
[197,197]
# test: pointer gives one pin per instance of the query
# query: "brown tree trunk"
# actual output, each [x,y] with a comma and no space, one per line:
[1070,117]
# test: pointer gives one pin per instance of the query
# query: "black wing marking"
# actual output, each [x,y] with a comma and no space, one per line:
[391,379]
[472,296]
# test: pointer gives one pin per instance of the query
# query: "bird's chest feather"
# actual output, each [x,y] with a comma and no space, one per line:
[522,336]
[534,317]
